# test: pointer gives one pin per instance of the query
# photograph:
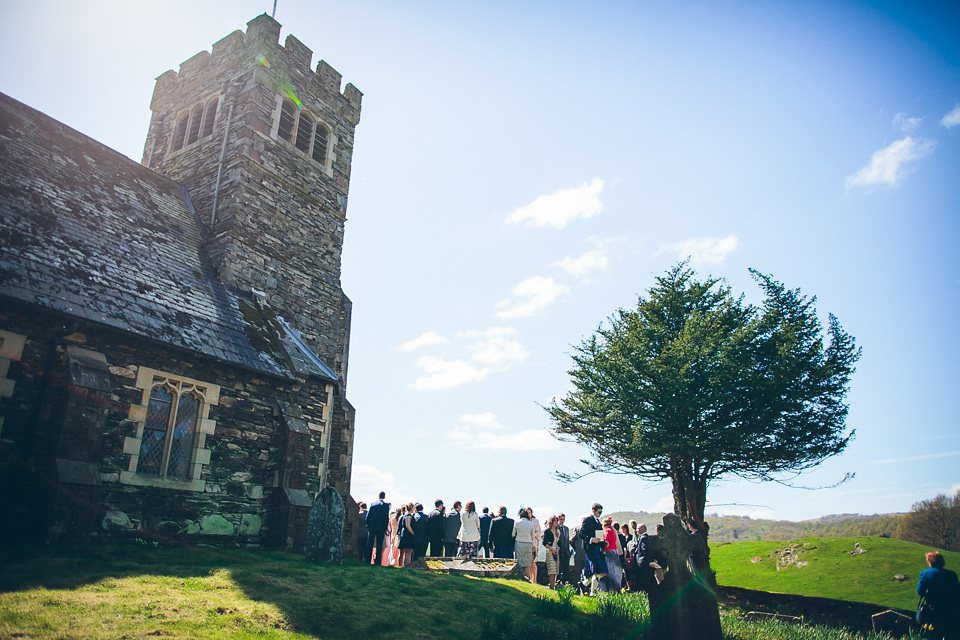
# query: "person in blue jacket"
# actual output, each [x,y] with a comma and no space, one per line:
[941,588]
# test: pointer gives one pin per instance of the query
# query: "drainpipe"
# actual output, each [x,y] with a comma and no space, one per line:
[223,153]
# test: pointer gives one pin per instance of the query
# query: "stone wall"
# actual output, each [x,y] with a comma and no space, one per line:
[73,407]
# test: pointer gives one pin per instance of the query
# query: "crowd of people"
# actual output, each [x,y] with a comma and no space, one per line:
[597,556]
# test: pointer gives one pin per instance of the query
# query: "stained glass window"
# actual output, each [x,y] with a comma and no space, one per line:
[166,448]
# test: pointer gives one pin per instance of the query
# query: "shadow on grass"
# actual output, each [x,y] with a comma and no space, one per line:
[348,601]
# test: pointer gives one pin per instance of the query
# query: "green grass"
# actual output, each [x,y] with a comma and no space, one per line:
[832,571]
[130,591]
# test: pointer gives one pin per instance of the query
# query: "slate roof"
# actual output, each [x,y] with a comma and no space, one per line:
[88,232]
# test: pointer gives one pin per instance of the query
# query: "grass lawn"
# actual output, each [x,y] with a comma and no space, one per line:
[136,591]
[132,591]
[832,569]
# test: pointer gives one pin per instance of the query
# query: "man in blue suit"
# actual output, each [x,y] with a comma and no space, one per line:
[378,517]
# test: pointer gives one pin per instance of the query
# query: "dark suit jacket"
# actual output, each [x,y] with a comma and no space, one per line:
[590,527]
[435,525]
[501,531]
[451,526]
[378,517]
[485,521]
[563,540]
[362,526]
[420,520]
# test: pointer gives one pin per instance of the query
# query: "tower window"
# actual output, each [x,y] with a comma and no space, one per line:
[287,121]
[195,123]
[300,128]
[320,144]
[304,131]
[209,114]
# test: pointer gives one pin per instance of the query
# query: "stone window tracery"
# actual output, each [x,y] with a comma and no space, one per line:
[194,123]
[303,130]
[172,425]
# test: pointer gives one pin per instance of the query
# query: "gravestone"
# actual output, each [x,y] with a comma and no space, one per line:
[325,528]
[684,606]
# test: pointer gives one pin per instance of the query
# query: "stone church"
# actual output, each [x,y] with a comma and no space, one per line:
[173,334]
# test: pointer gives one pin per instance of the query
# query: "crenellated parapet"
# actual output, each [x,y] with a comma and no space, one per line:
[260,47]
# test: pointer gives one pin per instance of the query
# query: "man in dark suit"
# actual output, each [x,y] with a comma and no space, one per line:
[591,533]
[485,521]
[378,517]
[435,529]
[563,555]
[451,531]
[419,532]
[501,535]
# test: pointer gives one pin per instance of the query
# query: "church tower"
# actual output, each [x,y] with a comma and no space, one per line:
[263,144]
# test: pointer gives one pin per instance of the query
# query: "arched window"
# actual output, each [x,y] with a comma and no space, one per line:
[180,134]
[208,115]
[194,123]
[166,447]
[196,119]
[304,132]
[287,121]
[320,144]
[302,129]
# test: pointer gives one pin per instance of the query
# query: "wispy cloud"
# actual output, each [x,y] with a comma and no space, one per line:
[906,123]
[482,352]
[531,297]
[594,260]
[952,119]
[562,207]
[483,431]
[423,340]
[703,250]
[887,166]
[366,482]
[929,456]
[446,374]
[495,346]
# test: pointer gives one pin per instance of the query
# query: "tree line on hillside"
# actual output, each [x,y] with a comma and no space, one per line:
[934,522]
[736,528]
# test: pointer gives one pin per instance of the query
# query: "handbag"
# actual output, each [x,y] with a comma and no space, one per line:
[924,613]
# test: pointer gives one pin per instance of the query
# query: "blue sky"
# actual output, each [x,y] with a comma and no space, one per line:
[524,169]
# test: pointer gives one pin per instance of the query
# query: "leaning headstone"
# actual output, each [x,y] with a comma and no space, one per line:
[684,606]
[325,528]
[892,622]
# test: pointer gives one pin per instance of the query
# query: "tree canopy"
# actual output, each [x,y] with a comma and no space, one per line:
[934,522]
[694,384]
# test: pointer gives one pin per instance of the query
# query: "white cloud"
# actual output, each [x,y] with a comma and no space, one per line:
[952,119]
[704,250]
[423,340]
[483,431]
[593,260]
[493,347]
[664,505]
[366,483]
[446,374]
[562,207]
[928,456]
[904,123]
[886,166]
[531,297]
[420,433]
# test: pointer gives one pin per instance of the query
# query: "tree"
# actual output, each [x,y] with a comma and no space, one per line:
[933,522]
[695,384]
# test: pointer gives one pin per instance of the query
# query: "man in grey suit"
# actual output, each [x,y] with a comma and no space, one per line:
[451,531]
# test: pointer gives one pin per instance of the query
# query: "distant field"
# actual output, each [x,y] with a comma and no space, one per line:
[831,569]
